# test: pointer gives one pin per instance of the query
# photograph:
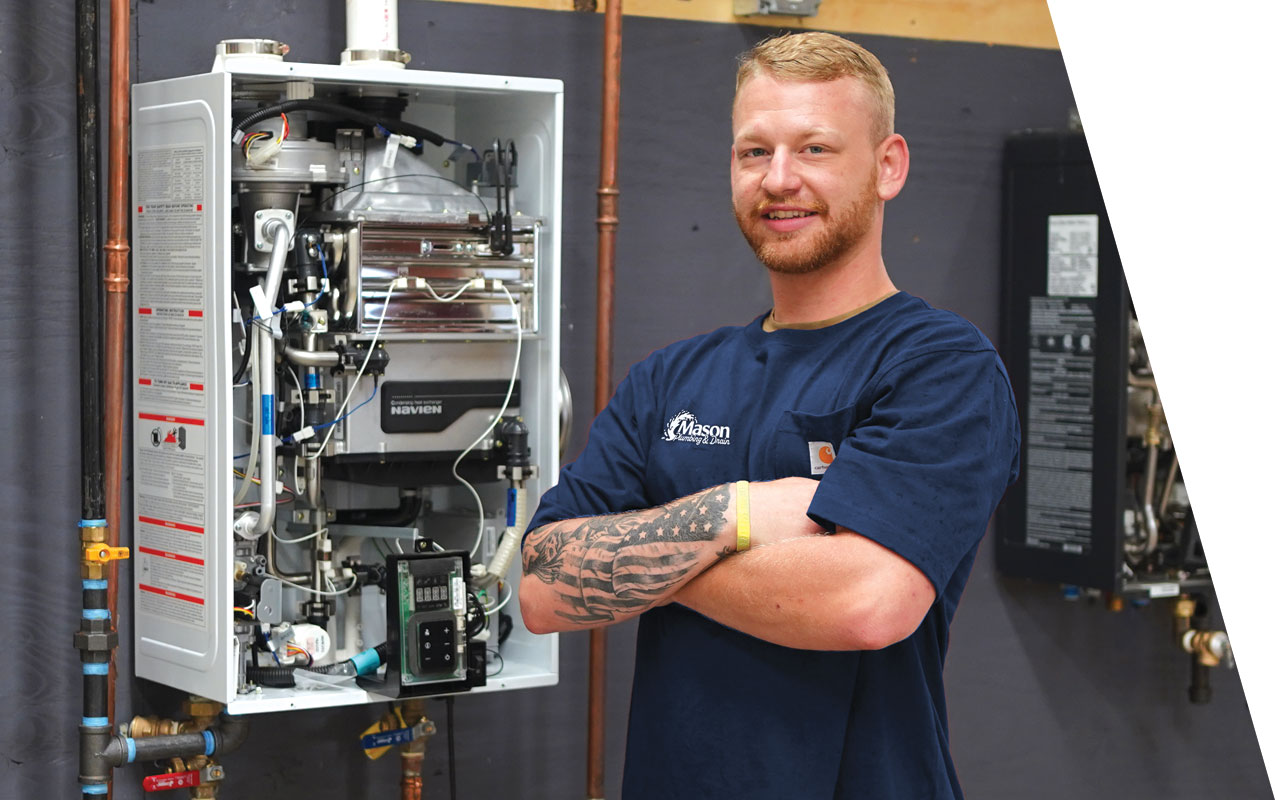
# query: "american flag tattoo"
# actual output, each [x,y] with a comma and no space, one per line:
[617,565]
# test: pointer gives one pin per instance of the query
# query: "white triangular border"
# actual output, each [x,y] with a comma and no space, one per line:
[1177,105]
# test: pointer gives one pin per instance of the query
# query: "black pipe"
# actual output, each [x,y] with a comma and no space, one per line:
[224,737]
[96,638]
[338,110]
[93,502]
[1200,691]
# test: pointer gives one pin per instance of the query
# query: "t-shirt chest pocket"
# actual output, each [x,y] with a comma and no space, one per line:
[804,444]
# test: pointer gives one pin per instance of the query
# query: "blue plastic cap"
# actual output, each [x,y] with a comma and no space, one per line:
[365,663]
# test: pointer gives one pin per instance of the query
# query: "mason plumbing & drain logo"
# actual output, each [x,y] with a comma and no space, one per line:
[684,427]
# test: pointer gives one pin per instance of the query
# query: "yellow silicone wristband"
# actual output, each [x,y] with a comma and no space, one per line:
[743,525]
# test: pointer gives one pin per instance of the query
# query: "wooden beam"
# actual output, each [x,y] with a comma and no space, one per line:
[1025,23]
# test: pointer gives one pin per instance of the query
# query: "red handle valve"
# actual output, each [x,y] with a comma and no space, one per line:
[171,780]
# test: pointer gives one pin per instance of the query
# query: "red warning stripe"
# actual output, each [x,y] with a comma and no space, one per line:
[194,312]
[165,554]
[162,418]
[196,387]
[145,311]
[144,381]
[163,523]
[176,595]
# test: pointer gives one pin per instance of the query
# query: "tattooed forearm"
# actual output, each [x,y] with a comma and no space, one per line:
[609,567]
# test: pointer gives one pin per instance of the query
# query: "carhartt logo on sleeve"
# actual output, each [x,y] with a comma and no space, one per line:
[821,455]
[684,427]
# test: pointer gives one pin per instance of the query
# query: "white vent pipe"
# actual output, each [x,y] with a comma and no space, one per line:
[371,34]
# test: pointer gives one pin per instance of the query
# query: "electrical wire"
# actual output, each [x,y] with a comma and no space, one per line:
[497,654]
[354,582]
[500,604]
[337,110]
[305,538]
[296,649]
[450,297]
[255,503]
[385,310]
[240,474]
[323,288]
[254,436]
[513,379]
[300,392]
[270,150]
[242,369]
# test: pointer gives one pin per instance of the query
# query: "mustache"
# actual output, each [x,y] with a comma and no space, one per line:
[768,201]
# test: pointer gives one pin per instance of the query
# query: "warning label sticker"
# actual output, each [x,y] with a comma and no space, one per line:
[1059,471]
[170,248]
[169,466]
[172,260]
[173,579]
[171,366]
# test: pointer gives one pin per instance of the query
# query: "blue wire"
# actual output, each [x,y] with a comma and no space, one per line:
[346,415]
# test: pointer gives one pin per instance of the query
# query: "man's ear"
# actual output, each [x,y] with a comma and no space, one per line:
[892,166]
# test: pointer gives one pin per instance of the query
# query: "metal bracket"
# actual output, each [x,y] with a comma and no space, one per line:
[791,8]
[262,219]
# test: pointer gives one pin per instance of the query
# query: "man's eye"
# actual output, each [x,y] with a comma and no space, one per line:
[816,149]
[752,152]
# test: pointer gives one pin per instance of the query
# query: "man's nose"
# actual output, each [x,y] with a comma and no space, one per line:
[782,175]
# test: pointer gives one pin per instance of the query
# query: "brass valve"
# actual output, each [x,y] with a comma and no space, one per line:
[1209,647]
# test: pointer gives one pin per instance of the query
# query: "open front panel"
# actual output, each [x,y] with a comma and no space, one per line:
[346,347]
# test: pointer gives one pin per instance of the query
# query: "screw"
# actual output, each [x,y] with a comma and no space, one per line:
[426,247]
[260,214]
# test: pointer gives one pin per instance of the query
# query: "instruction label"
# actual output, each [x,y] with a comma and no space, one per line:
[1060,425]
[1073,255]
[172,260]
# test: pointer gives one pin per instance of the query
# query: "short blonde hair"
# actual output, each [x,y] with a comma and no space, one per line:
[817,56]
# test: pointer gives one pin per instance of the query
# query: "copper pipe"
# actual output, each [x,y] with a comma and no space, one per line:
[410,785]
[412,756]
[608,221]
[116,281]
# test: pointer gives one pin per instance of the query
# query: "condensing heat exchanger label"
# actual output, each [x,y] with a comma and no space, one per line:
[1060,425]
[171,464]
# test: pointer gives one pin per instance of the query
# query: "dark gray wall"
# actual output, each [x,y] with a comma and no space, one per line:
[1048,699]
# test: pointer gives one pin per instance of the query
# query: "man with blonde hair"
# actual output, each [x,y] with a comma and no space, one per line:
[792,506]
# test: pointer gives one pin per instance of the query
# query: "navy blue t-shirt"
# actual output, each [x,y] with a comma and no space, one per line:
[916,407]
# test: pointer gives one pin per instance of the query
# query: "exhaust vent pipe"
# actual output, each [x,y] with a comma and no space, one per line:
[371,34]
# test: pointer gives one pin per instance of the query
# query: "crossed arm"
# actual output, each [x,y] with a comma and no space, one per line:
[795,587]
